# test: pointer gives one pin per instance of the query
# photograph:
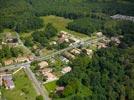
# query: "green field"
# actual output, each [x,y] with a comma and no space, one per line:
[23,88]
[60,23]
[51,86]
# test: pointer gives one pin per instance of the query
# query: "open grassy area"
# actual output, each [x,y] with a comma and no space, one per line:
[51,86]
[23,88]
[7,32]
[60,23]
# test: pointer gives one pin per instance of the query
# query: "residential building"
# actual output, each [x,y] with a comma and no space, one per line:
[50,76]
[68,55]
[75,51]
[66,70]
[60,88]
[99,34]
[8,62]
[88,51]
[43,64]
[63,59]
[8,82]
[21,59]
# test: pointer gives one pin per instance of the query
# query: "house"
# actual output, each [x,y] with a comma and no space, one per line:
[67,40]
[116,40]
[60,88]
[75,51]
[46,70]
[101,45]
[52,60]
[8,62]
[35,47]
[63,32]
[30,57]
[66,70]
[63,37]
[68,55]
[12,40]
[21,59]
[88,51]
[53,43]
[61,40]
[43,64]
[63,59]
[99,34]
[50,76]
[73,39]
[8,82]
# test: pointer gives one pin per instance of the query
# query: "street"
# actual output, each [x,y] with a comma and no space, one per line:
[37,85]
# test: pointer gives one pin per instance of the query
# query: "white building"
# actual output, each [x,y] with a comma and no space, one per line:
[66,70]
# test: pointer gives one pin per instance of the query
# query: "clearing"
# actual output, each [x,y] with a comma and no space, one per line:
[61,23]
[51,86]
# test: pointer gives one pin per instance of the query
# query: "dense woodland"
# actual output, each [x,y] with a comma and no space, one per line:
[42,37]
[22,15]
[109,75]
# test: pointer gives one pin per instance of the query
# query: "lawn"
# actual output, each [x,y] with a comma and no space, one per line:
[60,23]
[46,52]
[51,86]
[23,88]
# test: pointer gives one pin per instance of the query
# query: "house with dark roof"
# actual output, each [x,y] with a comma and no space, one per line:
[8,82]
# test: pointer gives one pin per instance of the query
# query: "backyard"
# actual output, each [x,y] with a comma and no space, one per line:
[23,88]
[51,86]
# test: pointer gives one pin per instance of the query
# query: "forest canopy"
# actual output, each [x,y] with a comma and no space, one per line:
[23,15]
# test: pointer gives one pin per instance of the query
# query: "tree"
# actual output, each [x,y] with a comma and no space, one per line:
[28,42]
[39,97]
[50,31]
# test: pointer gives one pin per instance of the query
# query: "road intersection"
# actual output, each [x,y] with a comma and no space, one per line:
[37,85]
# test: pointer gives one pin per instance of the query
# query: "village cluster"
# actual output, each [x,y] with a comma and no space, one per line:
[45,68]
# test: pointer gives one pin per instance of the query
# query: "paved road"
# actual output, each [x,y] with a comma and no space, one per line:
[84,43]
[22,44]
[37,85]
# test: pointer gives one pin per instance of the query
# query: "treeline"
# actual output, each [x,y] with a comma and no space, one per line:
[107,76]
[18,15]
[7,52]
[79,8]
[108,26]
[22,15]
[42,37]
